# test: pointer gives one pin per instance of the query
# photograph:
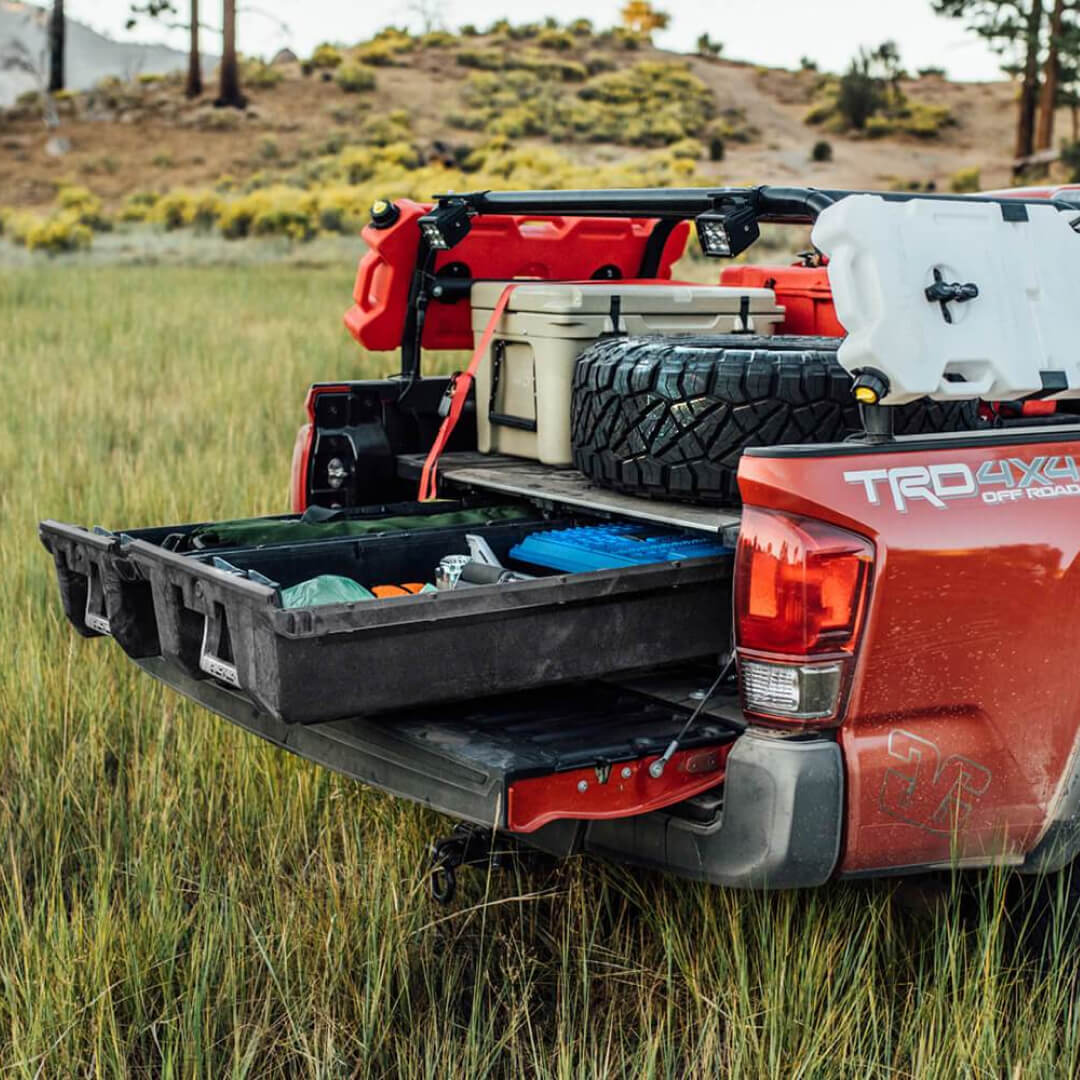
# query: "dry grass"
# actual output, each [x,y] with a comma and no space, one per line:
[177,899]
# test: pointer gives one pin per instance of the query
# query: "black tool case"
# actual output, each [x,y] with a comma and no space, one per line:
[319,664]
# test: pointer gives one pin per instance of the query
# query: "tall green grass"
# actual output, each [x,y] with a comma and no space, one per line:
[177,899]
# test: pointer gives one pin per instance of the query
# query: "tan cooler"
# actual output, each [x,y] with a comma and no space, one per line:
[523,384]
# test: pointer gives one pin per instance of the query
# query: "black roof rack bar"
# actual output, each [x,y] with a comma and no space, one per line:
[790,205]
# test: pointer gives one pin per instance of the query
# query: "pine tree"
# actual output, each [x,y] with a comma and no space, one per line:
[56,46]
[229,94]
[1012,27]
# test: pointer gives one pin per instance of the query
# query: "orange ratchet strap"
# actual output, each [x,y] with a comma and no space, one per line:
[454,401]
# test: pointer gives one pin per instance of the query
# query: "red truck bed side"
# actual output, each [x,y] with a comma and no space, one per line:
[960,730]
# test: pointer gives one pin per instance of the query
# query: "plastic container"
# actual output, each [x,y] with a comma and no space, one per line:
[606,547]
[953,298]
[547,247]
[802,291]
[523,385]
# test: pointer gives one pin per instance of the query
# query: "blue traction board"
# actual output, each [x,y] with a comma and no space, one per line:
[607,547]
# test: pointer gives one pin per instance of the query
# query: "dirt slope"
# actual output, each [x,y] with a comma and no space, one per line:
[148,137]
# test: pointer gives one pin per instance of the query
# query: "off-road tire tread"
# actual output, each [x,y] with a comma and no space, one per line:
[670,417]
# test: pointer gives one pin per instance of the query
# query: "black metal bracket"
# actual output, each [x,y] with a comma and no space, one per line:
[467,845]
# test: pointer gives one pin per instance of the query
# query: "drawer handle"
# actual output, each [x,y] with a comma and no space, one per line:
[210,661]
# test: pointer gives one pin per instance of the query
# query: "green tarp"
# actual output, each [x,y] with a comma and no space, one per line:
[254,532]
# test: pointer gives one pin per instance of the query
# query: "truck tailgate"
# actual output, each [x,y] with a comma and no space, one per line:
[960,732]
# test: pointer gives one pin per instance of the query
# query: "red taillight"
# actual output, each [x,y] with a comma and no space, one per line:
[800,584]
[800,594]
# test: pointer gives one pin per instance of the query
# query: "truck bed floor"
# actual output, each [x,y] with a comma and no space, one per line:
[563,487]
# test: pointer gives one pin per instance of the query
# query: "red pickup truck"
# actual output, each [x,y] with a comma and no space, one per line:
[847,654]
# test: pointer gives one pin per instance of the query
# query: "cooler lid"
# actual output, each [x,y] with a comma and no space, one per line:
[662,298]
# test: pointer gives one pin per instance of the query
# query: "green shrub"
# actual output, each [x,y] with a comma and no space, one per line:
[269,149]
[581,27]
[598,62]
[378,54]
[964,181]
[733,126]
[272,211]
[84,206]
[384,129]
[709,48]
[326,57]
[469,30]
[523,32]
[557,40]
[149,78]
[820,112]
[437,39]
[859,97]
[547,66]
[354,78]
[923,120]
[822,151]
[627,39]
[137,206]
[395,38]
[182,208]
[650,104]
[482,59]
[690,149]
[57,234]
[261,76]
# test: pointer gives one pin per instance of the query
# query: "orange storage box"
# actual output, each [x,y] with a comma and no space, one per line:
[802,291]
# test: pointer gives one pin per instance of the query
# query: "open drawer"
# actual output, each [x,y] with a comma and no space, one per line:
[317,664]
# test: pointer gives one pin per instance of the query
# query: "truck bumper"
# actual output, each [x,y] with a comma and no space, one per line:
[780,826]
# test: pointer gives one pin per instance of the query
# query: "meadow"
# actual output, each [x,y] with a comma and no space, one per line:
[178,899]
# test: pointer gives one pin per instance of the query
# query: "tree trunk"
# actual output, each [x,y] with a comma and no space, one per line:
[1029,90]
[229,91]
[1044,136]
[194,71]
[56,47]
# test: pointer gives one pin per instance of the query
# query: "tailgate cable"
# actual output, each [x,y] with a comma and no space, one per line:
[656,769]
[453,402]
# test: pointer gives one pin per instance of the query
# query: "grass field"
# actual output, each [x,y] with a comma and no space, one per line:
[177,899]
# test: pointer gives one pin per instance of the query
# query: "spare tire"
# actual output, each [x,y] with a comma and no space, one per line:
[671,416]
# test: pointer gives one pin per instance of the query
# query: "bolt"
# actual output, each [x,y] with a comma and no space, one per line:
[627,772]
[697,695]
[583,786]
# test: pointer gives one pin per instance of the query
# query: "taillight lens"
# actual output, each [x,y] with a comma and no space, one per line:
[800,584]
[800,595]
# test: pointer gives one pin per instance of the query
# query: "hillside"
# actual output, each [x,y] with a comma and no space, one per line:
[512,107]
